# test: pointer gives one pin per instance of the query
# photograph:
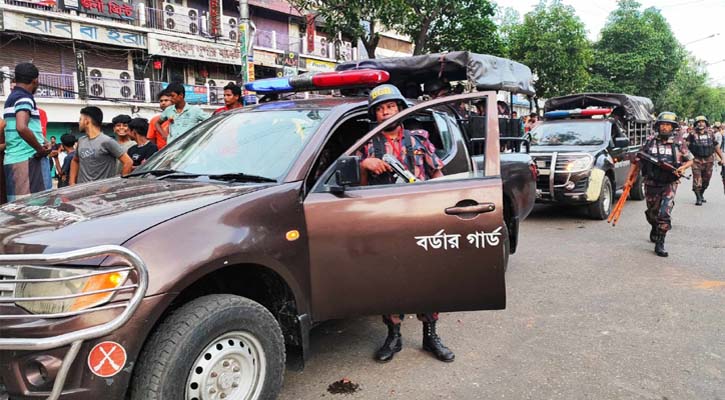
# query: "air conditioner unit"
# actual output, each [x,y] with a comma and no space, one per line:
[322,47]
[111,83]
[216,88]
[181,19]
[230,28]
[345,51]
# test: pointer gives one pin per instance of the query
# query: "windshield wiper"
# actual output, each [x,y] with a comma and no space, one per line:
[154,172]
[236,177]
[241,177]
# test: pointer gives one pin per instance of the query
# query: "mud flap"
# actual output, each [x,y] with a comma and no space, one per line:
[596,178]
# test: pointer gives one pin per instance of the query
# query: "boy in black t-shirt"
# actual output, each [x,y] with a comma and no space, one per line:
[67,144]
[143,149]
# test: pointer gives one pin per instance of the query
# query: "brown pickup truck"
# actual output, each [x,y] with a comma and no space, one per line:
[192,280]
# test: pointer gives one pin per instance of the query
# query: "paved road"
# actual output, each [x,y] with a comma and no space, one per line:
[592,314]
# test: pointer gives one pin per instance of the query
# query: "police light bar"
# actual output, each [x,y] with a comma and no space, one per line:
[578,112]
[320,81]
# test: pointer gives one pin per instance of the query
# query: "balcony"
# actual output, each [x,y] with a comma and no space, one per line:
[65,87]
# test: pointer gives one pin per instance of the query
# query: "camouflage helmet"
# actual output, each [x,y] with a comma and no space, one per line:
[385,93]
[717,124]
[702,118]
[666,117]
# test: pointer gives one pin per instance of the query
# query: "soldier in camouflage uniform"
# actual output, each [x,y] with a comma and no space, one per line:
[660,183]
[703,144]
[720,137]
[417,154]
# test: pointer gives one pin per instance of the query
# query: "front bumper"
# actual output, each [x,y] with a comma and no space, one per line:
[39,352]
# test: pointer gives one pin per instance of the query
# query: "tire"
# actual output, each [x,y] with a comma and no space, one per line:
[600,209]
[209,345]
[637,192]
[506,247]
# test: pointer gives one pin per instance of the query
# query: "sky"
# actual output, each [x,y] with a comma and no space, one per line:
[692,22]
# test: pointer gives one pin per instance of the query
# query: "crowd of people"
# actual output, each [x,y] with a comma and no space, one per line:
[29,160]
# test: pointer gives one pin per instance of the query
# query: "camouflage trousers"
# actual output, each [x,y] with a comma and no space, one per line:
[660,198]
[701,173]
[396,319]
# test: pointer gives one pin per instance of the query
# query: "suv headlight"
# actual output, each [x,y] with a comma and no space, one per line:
[56,281]
[580,164]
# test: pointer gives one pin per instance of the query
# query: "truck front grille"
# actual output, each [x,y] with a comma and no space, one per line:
[7,273]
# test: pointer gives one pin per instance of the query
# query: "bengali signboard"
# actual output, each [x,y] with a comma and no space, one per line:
[262,57]
[107,8]
[193,49]
[73,30]
[82,74]
[105,35]
[319,66]
[215,20]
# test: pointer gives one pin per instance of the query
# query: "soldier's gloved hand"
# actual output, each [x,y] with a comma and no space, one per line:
[376,165]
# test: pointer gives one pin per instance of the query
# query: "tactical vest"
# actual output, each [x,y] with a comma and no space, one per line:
[701,145]
[387,178]
[654,172]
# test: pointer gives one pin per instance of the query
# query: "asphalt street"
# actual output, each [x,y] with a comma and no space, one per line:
[592,313]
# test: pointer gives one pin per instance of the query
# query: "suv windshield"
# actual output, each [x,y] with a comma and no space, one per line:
[262,144]
[568,134]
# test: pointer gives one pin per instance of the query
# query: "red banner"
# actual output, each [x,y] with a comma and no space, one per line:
[310,19]
[214,18]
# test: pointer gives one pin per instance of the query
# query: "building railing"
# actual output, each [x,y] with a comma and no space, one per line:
[65,86]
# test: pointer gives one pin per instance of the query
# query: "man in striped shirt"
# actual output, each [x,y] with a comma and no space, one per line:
[26,165]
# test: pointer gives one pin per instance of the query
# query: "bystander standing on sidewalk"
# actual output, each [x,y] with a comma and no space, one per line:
[97,153]
[26,167]
[182,116]
[153,134]
[120,129]
[66,155]
[143,149]
[232,97]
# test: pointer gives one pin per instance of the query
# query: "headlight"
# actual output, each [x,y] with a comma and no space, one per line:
[65,282]
[580,164]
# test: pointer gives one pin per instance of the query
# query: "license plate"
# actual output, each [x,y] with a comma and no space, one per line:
[540,164]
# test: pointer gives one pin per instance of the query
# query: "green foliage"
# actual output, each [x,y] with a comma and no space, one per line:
[552,42]
[448,25]
[507,19]
[637,54]
[351,17]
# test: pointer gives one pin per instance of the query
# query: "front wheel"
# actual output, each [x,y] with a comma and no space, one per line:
[214,347]
[603,206]
[637,191]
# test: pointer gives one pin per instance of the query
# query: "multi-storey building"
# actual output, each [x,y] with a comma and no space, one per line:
[133,48]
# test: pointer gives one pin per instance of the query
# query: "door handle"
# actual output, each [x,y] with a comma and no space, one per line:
[474,209]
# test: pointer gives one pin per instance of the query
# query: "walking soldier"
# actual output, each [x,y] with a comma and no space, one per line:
[703,144]
[664,159]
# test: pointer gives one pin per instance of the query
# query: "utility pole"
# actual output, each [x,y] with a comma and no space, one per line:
[244,38]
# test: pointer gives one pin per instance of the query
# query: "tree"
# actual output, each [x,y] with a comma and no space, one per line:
[448,25]
[362,19]
[637,53]
[507,19]
[552,42]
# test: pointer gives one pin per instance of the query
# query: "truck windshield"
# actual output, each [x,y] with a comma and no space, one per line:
[262,144]
[568,134]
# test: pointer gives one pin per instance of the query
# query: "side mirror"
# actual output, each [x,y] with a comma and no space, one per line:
[347,173]
[621,142]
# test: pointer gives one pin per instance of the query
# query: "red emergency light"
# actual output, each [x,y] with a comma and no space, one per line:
[319,81]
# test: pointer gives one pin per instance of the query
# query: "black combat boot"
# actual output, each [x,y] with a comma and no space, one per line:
[702,195]
[660,246]
[698,202]
[392,345]
[432,343]
[653,234]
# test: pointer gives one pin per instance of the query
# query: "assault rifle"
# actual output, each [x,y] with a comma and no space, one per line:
[399,168]
[648,158]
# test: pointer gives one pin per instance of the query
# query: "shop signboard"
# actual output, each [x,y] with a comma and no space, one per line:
[319,66]
[116,9]
[193,94]
[162,45]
